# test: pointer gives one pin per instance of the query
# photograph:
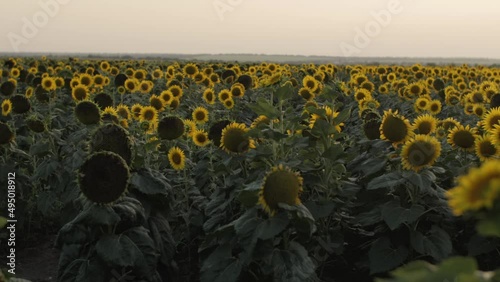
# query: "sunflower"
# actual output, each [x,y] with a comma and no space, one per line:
[6,107]
[262,119]
[86,79]
[462,137]
[131,84]
[20,104]
[435,107]
[491,119]
[215,132]
[420,151]
[485,148]
[229,104]
[99,80]
[174,104]
[29,92]
[422,104]
[48,84]
[87,112]
[395,128]
[424,124]
[225,95]
[200,115]
[123,111]
[200,138]
[104,177]
[306,93]
[190,126]
[209,96]
[190,70]
[177,158]
[361,94]
[170,128]
[145,86]
[234,139]
[80,92]
[477,190]
[237,90]
[148,113]
[281,185]
[112,138]
[35,124]
[6,134]
[479,110]
[157,103]
[176,90]
[495,136]
[310,83]
[448,123]
[330,117]
[136,111]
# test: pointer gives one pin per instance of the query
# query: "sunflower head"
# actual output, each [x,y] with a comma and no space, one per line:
[35,124]
[170,128]
[485,148]
[420,151]
[200,138]
[104,177]
[477,190]
[209,96]
[462,137]
[20,104]
[6,133]
[177,158]
[424,124]
[395,128]
[200,115]
[149,114]
[215,132]
[281,185]
[87,112]
[7,88]
[80,92]
[491,119]
[234,139]
[371,129]
[6,107]
[112,138]
[103,100]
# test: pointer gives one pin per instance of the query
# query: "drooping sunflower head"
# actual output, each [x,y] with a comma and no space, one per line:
[8,88]
[87,112]
[170,128]
[477,190]
[200,115]
[234,139]
[462,137]
[424,124]
[281,185]
[491,119]
[103,100]
[485,148]
[6,134]
[306,93]
[104,177]
[395,128]
[177,158]
[112,138]
[419,152]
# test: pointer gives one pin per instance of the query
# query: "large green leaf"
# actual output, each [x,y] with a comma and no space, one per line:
[386,181]
[150,182]
[293,265]
[118,250]
[273,226]
[263,107]
[436,243]
[384,257]
[394,215]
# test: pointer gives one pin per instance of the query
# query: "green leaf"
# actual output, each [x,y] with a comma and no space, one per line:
[333,152]
[150,182]
[147,262]
[383,256]
[302,218]
[263,107]
[394,215]
[320,209]
[386,181]
[231,272]
[371,166]
[323,128]
[98,215]
[118,250]
[273,226]
[285,92]
[436,243]
[479,245]
[293,265]
[343,116]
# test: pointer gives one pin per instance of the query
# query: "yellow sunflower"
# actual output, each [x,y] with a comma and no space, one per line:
[200,115]
[229,103]
[462,137]
[485,148]
[177,158]
[136,111]
[477,190]
[435,107]
[395,128]
[6,107]
[225,95]
[80,92]
[491,119]
[209,96]
[234,139]
[424,124]
[419,152]
[148,113]
[200,138]
[156,102]
[310,83]
[238,90]
[123,111]
[281,185]
[49,84]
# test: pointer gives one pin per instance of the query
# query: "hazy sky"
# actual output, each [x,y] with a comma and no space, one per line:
[430,28]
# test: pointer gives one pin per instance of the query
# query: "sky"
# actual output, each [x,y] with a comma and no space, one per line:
[361,28]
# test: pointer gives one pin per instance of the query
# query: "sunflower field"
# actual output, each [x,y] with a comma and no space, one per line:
[154,170]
